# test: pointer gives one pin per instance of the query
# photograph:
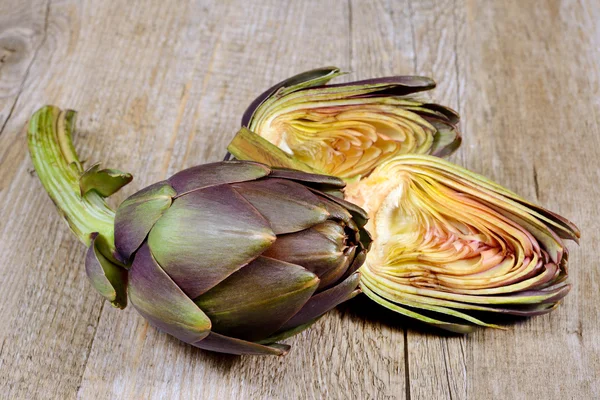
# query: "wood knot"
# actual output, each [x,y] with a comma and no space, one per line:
[15,54]
[13,50]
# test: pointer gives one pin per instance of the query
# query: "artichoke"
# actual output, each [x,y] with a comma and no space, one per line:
[229,257]
[450,246]
[347,129]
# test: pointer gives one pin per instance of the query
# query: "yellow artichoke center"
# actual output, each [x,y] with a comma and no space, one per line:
[429,236]
[351,140]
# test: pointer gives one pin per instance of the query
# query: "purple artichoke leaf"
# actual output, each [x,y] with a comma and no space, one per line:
[322,302]
[392,86]
[307,178]
[107,278]
[104,181]
[358,214]
[359,259]
[218,173]
[564,228]
[136,216]
[312,249]
[333,275]
[287,205]
[446,139]
[449,114]
[338,212]
[226,344]
[160,300]
[206,235]
[256,300]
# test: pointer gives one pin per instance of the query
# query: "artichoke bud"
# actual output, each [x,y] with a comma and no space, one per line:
[347,129]
[233,256]
[450,246]
[229,257]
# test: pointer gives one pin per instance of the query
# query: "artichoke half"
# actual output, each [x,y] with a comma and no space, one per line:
[450,247]
[229,257]
[347,129]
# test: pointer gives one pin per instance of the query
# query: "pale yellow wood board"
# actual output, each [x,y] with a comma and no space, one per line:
[161,86]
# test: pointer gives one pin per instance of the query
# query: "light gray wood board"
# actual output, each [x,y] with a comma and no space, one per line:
[161,87]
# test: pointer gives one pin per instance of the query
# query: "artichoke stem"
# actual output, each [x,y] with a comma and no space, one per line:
[60,171]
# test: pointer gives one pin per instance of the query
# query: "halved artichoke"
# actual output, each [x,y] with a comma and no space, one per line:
[450,245]
[347,129]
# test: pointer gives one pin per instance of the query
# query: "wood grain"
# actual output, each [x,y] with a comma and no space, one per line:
[161,85]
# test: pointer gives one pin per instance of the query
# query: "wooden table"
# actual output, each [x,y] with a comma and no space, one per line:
[161,85]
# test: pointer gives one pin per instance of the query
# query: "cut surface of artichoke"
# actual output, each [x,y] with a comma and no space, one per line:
[449,244]
[347,129]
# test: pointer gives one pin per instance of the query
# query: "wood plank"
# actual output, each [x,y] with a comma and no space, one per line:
[48,315]
[161,86]
[24,30]
[527,105]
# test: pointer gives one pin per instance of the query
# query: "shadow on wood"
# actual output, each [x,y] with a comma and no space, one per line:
[361,308]
[220,362]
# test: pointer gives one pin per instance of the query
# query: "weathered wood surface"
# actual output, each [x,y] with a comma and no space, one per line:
[161,86]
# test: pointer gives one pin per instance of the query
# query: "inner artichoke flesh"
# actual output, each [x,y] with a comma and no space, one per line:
[349,140]
[432,240]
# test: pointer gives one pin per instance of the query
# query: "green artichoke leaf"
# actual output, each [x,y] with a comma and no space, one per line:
[104,181]
[246,145]
[109,279]
[256,300]
[160,300]
[137,215]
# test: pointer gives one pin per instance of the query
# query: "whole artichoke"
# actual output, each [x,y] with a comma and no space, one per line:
[228,257]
